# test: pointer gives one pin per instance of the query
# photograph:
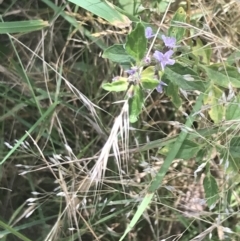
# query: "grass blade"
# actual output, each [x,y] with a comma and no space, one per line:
[164,168]
[142,207]
[13,231]
[176,147]
[60,11]
[22,26]
[50,109]
[105,10]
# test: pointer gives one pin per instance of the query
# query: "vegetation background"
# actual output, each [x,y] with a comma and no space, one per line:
[60,179]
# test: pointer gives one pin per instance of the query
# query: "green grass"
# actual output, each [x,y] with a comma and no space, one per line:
[72,167]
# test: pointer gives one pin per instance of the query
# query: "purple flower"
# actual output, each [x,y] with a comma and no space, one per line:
[149,33]
[169,42]
[147,60]
[164,59]
[159,88]
[132,71]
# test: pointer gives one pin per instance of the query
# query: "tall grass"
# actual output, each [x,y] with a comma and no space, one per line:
[72,167]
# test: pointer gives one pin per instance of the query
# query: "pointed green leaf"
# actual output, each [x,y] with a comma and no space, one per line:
[117,53]
[148,80]
[148,73]
[231,156]
[149,84]
[234,148]
[161,6]
[233,58]
[202,52]
[223,75]
[233,109]
[188,150]
[136,104]
[131,7]
[184,77]
[231,165]
[137,43]
[22,26]
[211,190]
[172,92]
[105,10]
[178,18]
[211,98]
[117,86]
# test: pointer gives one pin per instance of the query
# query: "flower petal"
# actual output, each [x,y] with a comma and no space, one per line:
[171,62]
[169,42]
[159,88]
[169,53]
[158,56]
[164,59]
[131,71]
[148,32]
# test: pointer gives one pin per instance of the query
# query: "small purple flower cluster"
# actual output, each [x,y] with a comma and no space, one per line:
[163,58]
[132,71]
[169,42]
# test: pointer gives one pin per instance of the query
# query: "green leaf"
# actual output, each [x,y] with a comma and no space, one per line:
[105,10]
[223,75]
[231,156]
[148,73]
[202,52]
[211,190]
[148,80]
[184,77]
[117,86]
[172,92]
[234,149]
[136,104]
[149,84]
[22,26]
[117,53]
[137,43]
[161,6]
[233,58]
[233,109]
[211,98]
[131,7]
[188,150]
[201,154]
[178,18]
